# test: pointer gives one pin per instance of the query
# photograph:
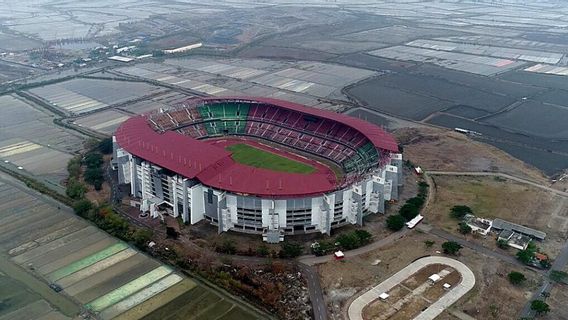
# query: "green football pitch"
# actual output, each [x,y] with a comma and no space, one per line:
[251,156]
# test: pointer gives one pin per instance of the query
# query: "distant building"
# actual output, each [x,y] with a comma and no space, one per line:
[478,225]
[500,224]
[515,240]
[120,59]
[184,49]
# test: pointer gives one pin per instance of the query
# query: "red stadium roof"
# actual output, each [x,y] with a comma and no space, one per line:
[213,165]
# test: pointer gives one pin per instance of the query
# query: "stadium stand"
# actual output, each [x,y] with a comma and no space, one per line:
[332,140]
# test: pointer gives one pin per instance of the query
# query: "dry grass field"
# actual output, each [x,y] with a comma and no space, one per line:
[491,197]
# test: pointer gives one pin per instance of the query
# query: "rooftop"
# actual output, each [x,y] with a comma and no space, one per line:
[213,165]
[501,224]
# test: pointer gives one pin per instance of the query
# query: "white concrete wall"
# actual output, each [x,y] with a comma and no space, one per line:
[316,211]
[197,204]
[346,204]
[266,218]
[232,206]
[280,208]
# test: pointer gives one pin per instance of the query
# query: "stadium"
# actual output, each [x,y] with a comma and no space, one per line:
[257,165]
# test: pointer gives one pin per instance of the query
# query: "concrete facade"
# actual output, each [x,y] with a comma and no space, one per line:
[164,192]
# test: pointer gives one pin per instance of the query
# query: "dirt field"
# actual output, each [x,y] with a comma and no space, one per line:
[443,150]
[557,302]
[490,197]
[493,296]
[406,300]
[343,280]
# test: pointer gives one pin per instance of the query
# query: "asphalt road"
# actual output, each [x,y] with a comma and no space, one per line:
[472,245]
[544,290]
[313,260]
[316,294]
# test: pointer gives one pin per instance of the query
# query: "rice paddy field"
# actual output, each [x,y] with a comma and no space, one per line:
[53,265]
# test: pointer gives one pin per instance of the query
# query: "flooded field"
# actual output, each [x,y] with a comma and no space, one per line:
[30,140]
[57,266]
[80,96]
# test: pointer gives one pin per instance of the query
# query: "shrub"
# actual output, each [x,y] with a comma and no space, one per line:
[227,247]
[290,250]
[429,243]
[516,278]
[82,207]
[464,228]
[262,250]
[74,167]
[75,189]
[364,236]
[141,237]
[451,247]
[323,247]
[395,222]
[540,307]
[545,264]
[558,276]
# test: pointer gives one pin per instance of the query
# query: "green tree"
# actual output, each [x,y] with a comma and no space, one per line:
[464,228]
[114,223]
[416,201]
[558,276]
[74,167]
[429,243]
[451,247]
[94,176]
[540,307]
[93,160]
[516,278]
[395,222]
[546,264]
[459,212]
[503,244]
[105,146]
[290,250]
[526,256]
[75,189]
[364,236]
[409,211]
[142,236]
[349,241]
[82,207]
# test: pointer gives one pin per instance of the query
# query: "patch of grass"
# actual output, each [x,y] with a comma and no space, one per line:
[251,156]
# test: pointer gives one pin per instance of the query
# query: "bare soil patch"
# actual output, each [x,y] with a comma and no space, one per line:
[443,150]
[492,292]
[491,198]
